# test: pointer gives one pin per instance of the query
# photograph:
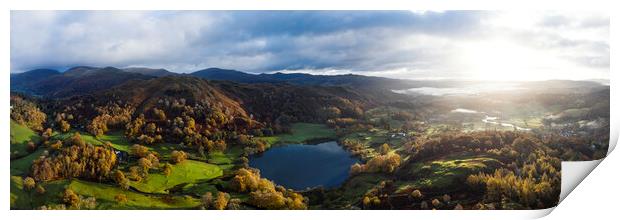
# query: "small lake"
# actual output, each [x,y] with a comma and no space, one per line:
[469,89]
[299,166]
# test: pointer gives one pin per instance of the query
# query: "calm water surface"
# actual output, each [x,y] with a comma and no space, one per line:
[298,166]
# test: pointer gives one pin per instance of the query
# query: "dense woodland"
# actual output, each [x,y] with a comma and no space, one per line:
[417,159]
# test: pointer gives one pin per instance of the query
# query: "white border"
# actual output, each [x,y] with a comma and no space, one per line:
[285,5]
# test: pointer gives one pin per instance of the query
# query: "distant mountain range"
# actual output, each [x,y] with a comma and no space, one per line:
[84,79]
[303,79]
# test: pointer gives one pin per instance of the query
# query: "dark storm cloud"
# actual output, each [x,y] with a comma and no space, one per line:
[317,40]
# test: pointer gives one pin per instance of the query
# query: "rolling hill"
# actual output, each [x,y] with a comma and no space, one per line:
[348,80]
[74,81]
[144,94]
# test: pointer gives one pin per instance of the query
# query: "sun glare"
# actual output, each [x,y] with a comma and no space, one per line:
[501,60]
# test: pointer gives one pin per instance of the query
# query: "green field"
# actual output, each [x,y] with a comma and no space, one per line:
[373,139]
[117,139]
[447,173]
[22,165]
[104,194]
[189,171]
[198,189]
[88,138]
[20,135]
[105,197]
[22,199]
[360,184]
[165,149]
[376,114]
[120,142]
[225,158]
[302,132]
[219,158]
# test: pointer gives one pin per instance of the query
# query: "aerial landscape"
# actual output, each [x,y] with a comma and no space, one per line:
[302,110]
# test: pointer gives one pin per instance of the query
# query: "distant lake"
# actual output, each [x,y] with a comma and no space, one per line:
[471,89]
[299,166]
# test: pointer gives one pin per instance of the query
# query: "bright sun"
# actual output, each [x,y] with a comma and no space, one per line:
[497,60]
[502,60]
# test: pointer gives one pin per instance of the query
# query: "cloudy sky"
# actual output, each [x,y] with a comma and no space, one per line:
[489,45]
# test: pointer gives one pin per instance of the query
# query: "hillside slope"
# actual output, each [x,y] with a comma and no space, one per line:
[75,81]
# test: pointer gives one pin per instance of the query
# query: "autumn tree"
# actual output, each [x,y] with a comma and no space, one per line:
[64,126]
[139,150]
[220,145]
[71,199]
[150,128]
[503,185]
[134,128]
[207,200]
[383,163]
[264,193]
[221,201]
[234,204]
[47,134]
[267,198]
[76,140]
[55,145]
[366,202]
[87,161]
[120,198]
[167,169]
[245,162]
[135,173]
[416,194]
[384,149]
[178,156]
[356,169]
[436,203]
[330,112]
[27,113]
[159,114]
[145,165]
[99,125]
[44,169]
[120,179]
[31,146]
[245,180]
[29,183]
[40,189]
